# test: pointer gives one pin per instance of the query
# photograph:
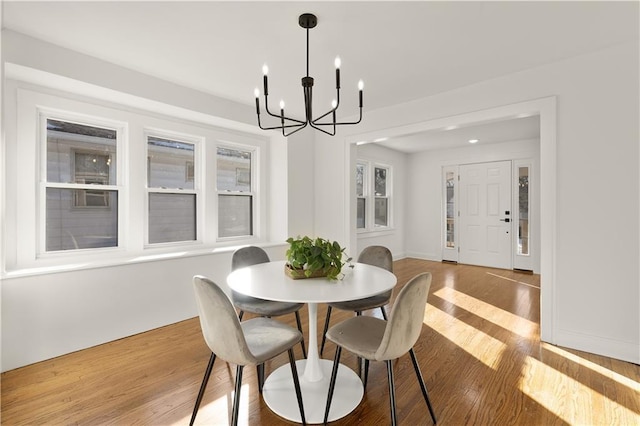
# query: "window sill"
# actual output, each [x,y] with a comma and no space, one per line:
[122,259]
[375,232]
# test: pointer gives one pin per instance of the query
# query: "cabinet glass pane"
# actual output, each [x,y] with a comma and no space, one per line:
[450,182]
[523,210]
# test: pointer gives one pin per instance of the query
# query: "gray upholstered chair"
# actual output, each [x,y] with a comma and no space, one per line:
[373,255]
[379,340]
[251,342]
[251,255]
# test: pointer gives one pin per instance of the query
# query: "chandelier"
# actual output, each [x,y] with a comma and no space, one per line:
[290,125]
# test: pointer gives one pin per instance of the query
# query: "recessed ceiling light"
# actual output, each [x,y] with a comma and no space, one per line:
[361,142]
[380,139]
[473,140]
[451,127]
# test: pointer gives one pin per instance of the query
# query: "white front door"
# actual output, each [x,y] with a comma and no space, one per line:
[486,214]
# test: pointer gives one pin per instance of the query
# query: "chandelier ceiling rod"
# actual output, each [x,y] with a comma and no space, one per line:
[290,125]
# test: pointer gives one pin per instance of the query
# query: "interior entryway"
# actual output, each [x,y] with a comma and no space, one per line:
[486,214]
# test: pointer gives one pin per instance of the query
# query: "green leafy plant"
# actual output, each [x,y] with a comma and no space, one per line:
[316,257]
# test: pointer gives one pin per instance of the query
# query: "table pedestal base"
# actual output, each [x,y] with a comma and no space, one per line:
[279,393]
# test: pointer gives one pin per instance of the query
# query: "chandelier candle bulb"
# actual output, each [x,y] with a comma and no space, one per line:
[337,64]
[360,87]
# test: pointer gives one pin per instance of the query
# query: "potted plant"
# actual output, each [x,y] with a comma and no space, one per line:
[309,258]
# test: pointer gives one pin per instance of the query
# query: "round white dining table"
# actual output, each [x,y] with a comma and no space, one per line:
[268,281]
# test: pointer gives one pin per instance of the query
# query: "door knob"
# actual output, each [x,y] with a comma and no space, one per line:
[505,220]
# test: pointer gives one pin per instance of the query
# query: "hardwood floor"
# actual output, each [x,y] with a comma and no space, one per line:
[479,353]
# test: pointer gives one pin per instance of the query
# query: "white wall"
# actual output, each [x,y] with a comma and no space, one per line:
[393,239]
[424,210]
[594,282]
[49,314]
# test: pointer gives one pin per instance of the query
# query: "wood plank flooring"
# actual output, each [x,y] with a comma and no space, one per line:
[479,351]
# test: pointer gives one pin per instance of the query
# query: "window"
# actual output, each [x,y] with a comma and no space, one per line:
[374,204]
[81,205]
[381,212]
[171,190]
[235,192]
[114,184]
[361,201]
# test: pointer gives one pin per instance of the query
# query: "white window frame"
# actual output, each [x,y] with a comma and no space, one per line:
[45,114]
[370,196]
[197,142]
[27,242]
[253,193]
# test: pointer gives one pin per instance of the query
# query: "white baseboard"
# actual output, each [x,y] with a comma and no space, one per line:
[424,256]
[612,348]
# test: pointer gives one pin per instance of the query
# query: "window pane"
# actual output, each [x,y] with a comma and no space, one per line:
[380,181]
[235,215]
[523,210]
[234,170]
[170,164]
[450,209]
[172,217]
[381,213]
[361,213]
[77,153]
[360,176]
[71,225]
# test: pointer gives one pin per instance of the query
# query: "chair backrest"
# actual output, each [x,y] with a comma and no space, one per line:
[377,256]
[247,256]
[405,321]
[220,324]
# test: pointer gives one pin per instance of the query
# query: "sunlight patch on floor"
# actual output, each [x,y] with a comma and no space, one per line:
[465,336]
[569,399]
[218,412]
[493,314]
[623,380]
[512,280]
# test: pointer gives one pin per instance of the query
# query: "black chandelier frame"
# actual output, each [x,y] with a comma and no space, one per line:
[290,125]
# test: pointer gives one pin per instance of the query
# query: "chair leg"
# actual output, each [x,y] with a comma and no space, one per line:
[236,396]
[296,383]
[392,392]
[332,382]
[240,315]
[423,387]
[304,351]
[366,373]
[384,313]
[203,386]
[260,372]
[326,327]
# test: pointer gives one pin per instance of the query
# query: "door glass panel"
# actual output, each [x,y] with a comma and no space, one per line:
[450,210]
[523,210]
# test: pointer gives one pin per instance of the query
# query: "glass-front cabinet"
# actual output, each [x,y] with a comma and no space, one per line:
[450,213]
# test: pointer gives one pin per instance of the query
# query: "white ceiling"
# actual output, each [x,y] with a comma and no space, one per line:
[402,50]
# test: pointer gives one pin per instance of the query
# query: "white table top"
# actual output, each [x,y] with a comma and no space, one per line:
[268,281]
